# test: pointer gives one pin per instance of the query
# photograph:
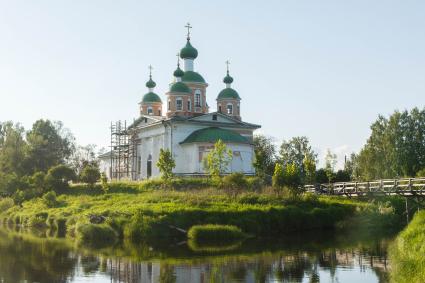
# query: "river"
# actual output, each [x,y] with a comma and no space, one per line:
[36,256]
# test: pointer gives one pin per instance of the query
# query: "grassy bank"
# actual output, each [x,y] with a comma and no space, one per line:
[138,211]
[407,253]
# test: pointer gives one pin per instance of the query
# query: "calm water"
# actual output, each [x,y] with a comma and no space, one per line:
[308,257]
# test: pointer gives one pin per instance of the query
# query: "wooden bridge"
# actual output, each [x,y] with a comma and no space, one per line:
[408,187]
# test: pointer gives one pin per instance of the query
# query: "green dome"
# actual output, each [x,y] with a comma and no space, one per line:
[178,73]
[180,87]
[228,93]
[228,79]
[213,134]
[151,97]
[150,83]
[188,52]
[194,77]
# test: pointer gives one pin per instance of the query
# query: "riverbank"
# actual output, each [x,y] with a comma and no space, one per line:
[137,211]
[408,252]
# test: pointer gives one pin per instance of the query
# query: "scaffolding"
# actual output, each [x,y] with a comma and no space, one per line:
[123,152]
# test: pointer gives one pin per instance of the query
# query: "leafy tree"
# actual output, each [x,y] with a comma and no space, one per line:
[321,176]
[351,167]
[49,144]
[310,170]
[58,178]
[342,176]
[12,148]
[295,151]
[330,163]
[166,164]
[90,175]
[265,155]
[292,176]
[396,146]
[83,156]
[218,159]
[421,173]
[278,178]
[37,181]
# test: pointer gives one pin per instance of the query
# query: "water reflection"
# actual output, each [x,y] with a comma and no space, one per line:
[302,258]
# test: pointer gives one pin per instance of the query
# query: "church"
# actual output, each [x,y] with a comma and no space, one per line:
[187,128]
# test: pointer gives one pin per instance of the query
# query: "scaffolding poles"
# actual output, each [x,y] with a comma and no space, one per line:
[123,152]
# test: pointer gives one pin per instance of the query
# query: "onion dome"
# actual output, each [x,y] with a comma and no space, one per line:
[178,73]
[228,93]
[151,97]
[188,52]
[228,79]
[180,87]
[150,83]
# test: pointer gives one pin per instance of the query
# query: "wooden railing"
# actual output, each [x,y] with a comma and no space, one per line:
[404,187]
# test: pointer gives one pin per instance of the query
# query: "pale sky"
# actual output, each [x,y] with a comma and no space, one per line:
[323,69]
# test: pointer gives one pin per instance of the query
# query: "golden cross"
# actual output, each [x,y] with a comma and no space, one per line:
[188,26]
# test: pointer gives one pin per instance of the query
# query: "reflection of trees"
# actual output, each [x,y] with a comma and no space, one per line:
[167,274]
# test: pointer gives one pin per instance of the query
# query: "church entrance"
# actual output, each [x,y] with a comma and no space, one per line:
[149,166]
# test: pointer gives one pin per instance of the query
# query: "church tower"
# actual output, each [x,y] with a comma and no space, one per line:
[228,100]
[179,96]
[151,103]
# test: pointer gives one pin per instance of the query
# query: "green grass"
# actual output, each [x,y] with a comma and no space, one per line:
[215,233]
[407,253]
[141,210]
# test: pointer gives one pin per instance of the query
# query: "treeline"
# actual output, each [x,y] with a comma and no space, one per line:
[42,159]
[395,149]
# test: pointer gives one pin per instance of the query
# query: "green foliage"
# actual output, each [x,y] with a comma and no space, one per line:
[5,204]
[321,176]
[166,164]
[218,159]
[265,155]
[94,234]
[288,176]
[49,199]
[37,181]
[421,173]
[90,175]
[309,169]
[215,233]
[342,176]
[330,163]
[235,181]
[278,178]
[295,152]
[104,183]
[58,178]
[407,253]
[395,148]
[12,148]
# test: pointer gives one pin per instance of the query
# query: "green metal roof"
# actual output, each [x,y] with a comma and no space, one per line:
[151,97]
[228,79]
[180,87]
[150,83]
[188,52]
[228,93]
[213,134]
[191,76]
[178,73]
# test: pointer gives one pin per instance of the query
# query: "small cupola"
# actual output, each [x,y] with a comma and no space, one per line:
[228,100]
[151,103]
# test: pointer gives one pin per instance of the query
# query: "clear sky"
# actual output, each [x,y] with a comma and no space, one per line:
[323,69]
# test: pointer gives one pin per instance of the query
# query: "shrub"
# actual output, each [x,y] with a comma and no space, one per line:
[278,179]
[166,164]
[95,233]
[90,175]
[38,220]
[215,232]
[421,173]
[58,178]
[49,199]
[5,204]
[235,181]
[37,181]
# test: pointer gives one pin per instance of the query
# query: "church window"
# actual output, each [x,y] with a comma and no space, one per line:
[150,111]
[169,105]
[219,108]
[197,98]
[229,109]
[179,104]
[189,105]
[159,112]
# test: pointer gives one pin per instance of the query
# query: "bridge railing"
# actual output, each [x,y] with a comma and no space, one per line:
[406,186]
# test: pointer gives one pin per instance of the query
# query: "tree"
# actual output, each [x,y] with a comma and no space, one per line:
[330,163]
[265,155]
[310,170]
[218,159]
[166,164]
[83,156]
[295,151]
[12,148]
[58,178]
[90,175]
[49,144]
[342,176]
[321,176]
[396,146]
[278,179]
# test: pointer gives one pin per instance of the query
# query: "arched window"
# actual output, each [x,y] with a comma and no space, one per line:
[159,112]
[219,108]
[150,110]
[198,98]
[189,105]
[230,109]
[149,166]
[169,105]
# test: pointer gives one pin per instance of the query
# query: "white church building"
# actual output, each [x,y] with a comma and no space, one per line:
[187,129]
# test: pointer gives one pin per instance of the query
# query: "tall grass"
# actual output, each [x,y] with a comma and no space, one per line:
[215,233]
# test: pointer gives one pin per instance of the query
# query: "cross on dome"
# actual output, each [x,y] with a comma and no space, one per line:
[188,26]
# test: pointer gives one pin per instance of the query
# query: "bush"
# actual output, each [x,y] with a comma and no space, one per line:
[214,233]
[37,181]
[5,204]
[90,175]
[235,181]
[421,173]
[58,178]
[49,199]
[95,233]
[38,220]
